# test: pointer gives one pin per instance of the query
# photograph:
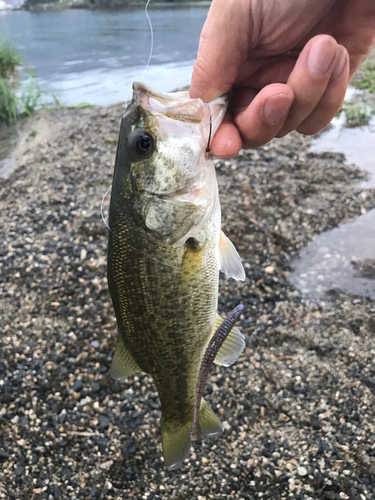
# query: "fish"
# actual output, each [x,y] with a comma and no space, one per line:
[165,251]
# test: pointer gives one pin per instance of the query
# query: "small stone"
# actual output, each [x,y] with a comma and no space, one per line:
[316,424]
[83,254]
[66,472]
[94,344]
[261,401]
[302,471]
[205,460]
[269,269]
[104,421]
[19,470]
[77,386]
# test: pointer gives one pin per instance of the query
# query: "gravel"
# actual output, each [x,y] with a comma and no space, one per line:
[297,408]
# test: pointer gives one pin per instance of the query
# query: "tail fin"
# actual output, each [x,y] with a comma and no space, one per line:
[176,437]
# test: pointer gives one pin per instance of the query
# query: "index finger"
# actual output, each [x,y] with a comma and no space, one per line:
[223,47]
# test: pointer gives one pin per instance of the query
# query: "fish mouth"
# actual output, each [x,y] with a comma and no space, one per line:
[179,106]
[162,97]
[174,105]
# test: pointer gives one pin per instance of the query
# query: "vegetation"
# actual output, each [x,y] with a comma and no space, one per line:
[8,103]
[30,4]
[31,95]
[14,106]
[20,101]
[82,105]
[366,77]
[357,113]
[9,59]
[54,5]
[15,102]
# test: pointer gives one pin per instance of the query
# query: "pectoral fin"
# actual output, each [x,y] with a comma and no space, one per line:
[233,346]
[123,364]
[230,261]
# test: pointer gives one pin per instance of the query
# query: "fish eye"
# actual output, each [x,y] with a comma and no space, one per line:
[142,143]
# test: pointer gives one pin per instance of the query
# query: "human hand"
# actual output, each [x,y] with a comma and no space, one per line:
[288,64]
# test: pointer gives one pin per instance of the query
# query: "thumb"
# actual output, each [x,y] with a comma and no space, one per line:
[223,47]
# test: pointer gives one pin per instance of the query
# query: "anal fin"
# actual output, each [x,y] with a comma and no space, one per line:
[209,421]
[230,261]
[233,346]
[123,364]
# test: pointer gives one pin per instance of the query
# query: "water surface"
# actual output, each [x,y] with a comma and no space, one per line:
[94,56]
[344,257]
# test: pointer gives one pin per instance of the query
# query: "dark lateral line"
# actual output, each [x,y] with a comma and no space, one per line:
[208,359]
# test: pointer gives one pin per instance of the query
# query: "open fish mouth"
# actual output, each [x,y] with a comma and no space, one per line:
[159,96]
[178,105]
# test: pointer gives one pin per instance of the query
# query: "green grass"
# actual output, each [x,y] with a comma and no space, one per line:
[367,79]
[357,113]
[8,103]
[31,95]
[82,105]
[13,106]
[9,59]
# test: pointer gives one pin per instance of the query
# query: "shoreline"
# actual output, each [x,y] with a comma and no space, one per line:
[89,5]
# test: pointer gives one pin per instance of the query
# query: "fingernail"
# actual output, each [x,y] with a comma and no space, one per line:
[321,56]
[277,107]
[341,60]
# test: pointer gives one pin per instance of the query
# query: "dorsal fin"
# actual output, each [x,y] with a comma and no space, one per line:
[230,261]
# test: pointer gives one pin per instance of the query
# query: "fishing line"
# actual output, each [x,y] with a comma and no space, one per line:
[152,39]
[110,187]
[147,65]
[209,135]
[101,208]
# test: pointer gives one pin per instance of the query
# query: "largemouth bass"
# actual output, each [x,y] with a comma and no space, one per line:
[164,255]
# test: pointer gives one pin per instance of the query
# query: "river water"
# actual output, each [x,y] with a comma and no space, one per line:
[343,258]
[94,56]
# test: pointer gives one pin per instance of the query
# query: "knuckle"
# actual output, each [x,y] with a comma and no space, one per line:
[308,129]
[321,117]
[254,142]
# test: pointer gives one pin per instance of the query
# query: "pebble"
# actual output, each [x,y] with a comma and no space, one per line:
[302,471]
[77,386]
[104,421]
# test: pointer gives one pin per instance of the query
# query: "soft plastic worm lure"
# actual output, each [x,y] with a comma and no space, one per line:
[208,359]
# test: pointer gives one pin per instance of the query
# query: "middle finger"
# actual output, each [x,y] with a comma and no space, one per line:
[309,79]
